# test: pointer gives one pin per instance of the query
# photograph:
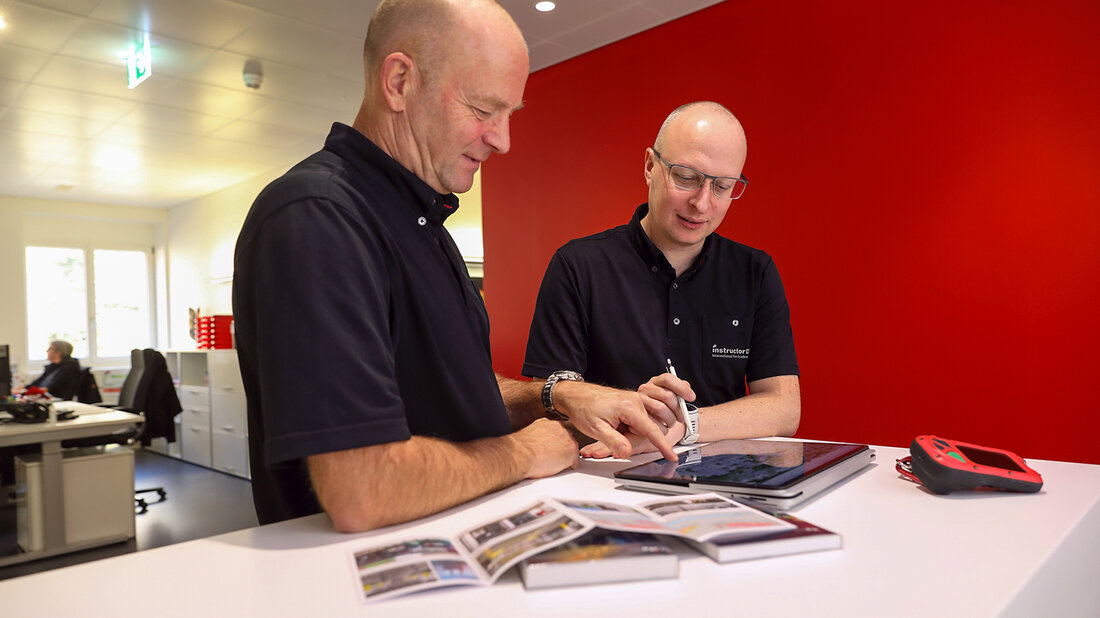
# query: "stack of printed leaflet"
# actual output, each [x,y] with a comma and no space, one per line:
[480,555]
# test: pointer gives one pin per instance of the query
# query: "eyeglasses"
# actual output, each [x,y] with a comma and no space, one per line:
[689,179]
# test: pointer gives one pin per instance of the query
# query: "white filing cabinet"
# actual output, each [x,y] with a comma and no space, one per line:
[213,429]
[228,413]
[195,425]
[98,485]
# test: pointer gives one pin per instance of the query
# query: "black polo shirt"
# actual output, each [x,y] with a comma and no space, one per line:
[356,322]
[611,307]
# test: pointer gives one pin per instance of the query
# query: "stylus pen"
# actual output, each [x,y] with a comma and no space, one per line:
[683,404]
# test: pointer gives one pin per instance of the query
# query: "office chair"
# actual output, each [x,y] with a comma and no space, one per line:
[87,391]
[137,396]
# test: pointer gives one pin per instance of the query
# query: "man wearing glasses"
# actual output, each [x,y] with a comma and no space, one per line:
[617,307]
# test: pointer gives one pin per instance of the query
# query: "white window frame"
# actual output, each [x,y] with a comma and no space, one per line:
[93,359]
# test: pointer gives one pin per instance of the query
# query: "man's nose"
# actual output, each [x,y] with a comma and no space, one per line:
[498,138]
[703,198]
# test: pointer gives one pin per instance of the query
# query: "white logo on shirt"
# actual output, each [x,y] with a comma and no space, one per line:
[720,352]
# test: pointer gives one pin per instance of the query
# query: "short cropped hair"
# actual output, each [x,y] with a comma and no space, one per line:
[410,26]
[64,348]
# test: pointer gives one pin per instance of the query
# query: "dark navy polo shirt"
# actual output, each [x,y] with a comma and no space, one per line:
[356,322]
[611,307]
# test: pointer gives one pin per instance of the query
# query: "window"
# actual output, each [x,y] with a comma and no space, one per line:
[101,305]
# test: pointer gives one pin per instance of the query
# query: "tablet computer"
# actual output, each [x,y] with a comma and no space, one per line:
[780,474]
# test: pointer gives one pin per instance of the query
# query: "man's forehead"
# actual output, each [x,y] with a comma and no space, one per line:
[715,148]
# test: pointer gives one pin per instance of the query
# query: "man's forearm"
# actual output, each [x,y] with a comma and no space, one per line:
[380,485]
[774,409]
[522,399]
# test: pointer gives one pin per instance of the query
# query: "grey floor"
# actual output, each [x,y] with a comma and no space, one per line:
[201,503]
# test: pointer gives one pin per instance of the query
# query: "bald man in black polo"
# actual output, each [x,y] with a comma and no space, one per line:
[614,306]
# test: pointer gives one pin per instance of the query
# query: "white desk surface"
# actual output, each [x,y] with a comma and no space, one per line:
[906,552]
[90,421]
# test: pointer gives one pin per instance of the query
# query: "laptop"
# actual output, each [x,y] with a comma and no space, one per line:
[778,474]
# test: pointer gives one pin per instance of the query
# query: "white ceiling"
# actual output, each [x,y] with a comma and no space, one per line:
[71,130]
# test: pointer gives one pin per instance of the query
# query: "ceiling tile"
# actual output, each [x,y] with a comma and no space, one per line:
[21,63]
[264,156]
[299,118]
[109,44]
[143,137]
[280,81]
[211,100]
[39,148]
[50,124]
[567,16]
[82,8]
[35,27]
[72,103]
[212,23]
[158,117]
[302,46]
[98,78]
[261,134]
[548,53]
[348,17]
[9,90]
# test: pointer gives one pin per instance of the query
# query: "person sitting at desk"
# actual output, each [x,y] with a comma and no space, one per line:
[62,376]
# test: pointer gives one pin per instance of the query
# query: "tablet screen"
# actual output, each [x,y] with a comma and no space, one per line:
[746,463]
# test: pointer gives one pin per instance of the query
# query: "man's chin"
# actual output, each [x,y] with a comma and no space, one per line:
[459,183]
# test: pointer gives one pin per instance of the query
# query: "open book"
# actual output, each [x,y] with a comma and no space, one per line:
[480,555]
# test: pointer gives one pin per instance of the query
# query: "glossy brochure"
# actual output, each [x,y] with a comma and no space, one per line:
[480,555]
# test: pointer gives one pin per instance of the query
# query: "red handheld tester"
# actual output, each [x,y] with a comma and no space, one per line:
[944,466]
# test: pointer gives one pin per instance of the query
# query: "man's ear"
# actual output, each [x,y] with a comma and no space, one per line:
[649,163]
[398,77]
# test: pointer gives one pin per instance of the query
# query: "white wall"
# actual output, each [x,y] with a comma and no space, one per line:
[201,237]
[203,233]
[72,224]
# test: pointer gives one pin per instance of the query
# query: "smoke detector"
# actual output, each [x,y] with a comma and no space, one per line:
[253,74]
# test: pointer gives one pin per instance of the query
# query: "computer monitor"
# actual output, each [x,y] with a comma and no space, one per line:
[5,370]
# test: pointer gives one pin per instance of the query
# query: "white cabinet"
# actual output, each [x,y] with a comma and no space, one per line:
[98,486]
[195,425]
[228,414]
[214,424]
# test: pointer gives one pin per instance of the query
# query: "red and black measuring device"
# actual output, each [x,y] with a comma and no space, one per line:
[944,466]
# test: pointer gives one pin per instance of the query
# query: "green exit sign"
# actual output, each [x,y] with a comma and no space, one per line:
[139,63]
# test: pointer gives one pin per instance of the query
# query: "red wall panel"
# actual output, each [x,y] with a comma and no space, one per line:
[925,176]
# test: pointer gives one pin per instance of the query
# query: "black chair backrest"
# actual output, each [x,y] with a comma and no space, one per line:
[127,396]
[88,390]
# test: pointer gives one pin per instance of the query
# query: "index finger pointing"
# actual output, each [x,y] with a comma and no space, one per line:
[653,433]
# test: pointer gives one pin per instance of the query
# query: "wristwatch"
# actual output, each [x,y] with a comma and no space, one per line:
[691,432]
[548,389]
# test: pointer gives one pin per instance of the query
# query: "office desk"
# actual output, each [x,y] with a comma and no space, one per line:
[91,421]
[906,553]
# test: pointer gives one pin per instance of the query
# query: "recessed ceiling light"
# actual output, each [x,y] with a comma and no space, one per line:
[545,7]
[2,23]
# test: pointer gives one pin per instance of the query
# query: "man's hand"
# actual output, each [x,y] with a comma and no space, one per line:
[659,397]
[638,444]
[547,446]
[606,413]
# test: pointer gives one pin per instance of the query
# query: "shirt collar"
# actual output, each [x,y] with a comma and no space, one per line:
[649,251]
[372,161]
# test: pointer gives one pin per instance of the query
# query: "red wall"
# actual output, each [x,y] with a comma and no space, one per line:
[926,176]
